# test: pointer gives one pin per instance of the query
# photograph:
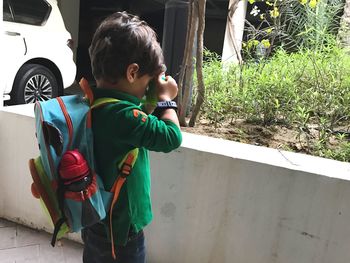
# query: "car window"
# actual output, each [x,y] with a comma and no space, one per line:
[32,12]
[6,11]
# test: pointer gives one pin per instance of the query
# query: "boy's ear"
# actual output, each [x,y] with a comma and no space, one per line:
[132,72]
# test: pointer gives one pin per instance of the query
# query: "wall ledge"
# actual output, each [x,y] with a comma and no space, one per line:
[242,151]
[270,156]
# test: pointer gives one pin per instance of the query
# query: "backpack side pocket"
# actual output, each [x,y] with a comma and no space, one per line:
[80,192]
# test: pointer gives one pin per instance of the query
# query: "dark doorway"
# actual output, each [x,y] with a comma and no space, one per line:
[92,12]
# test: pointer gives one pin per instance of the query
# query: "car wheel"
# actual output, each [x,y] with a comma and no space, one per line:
[34,83]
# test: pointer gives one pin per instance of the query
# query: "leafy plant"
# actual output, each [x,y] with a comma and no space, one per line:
[308,90]
[308,24]
[293,25]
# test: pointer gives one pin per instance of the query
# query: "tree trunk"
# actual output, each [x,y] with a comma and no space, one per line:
[186,73]
[196,23]
[199,61]
[183,64]
[344,31]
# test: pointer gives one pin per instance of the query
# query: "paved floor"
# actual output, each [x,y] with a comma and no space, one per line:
[19,244]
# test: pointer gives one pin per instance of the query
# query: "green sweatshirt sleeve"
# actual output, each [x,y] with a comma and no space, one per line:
[142,130]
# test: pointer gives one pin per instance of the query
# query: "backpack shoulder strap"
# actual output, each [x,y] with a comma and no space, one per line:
[125,168]
[87,90]
[84,85]
[103,101]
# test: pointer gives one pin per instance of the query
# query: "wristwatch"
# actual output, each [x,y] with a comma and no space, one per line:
[167,104]
[162,106]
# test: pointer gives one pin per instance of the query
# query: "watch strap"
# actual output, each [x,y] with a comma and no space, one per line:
[167,104]
[162,106]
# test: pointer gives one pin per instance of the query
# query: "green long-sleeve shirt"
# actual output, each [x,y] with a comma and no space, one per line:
[119,128]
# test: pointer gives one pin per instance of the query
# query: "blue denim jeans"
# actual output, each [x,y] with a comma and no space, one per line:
[97,247]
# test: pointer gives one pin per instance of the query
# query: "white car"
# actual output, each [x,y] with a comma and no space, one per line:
[37,57]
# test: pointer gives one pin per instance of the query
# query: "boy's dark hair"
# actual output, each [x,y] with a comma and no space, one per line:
[120,40]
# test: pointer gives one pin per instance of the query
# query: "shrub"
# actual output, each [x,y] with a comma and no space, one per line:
[303,89]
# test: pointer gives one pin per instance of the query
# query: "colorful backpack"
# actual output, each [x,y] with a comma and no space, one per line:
[64,176]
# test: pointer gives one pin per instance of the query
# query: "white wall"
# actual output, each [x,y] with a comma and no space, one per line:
[214,200]
[70,10]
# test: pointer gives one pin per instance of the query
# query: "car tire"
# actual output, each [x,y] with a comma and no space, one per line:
[33,83]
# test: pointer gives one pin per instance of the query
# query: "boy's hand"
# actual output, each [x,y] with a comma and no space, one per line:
[166,88]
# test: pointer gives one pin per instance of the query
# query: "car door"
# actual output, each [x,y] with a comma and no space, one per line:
[13,47]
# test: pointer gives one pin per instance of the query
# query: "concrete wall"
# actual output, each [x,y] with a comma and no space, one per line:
[214,200]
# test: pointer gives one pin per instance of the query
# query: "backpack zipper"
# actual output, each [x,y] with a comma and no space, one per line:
[68,121]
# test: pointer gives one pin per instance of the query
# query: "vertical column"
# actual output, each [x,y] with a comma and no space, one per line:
[70,13]
[174,35]
[2,81]
[234,31]
[344,30]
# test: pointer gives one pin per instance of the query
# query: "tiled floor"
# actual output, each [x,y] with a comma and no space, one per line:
[19,244]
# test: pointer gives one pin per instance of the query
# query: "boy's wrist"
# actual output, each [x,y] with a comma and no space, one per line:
[168,104]
[162,106]
[164,98]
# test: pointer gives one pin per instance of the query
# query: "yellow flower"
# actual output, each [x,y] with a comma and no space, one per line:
[252,43]
[303,2]
[313,3]
[266,43]
[268,31]
[269,3]
[274,13]
[249,44]
[251,1]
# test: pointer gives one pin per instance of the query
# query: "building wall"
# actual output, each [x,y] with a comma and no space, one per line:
[70,13]
[213,200]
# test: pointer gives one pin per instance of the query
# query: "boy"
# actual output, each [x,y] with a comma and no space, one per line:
[125,57]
